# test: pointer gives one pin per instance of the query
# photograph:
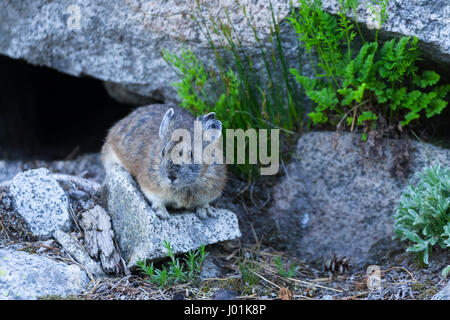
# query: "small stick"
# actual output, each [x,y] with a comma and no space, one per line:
[353,120]
[265,279]
[84,184]
[81,183]
[401,268]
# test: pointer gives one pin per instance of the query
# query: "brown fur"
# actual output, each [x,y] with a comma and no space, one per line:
[135,141]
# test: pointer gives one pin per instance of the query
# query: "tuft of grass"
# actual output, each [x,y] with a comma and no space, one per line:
[242,96]
[288,272]
[248,275]
[176,270]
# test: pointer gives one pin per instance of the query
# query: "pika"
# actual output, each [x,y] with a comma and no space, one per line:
[141,143]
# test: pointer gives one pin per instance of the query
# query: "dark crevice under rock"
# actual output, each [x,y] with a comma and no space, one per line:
[45,114]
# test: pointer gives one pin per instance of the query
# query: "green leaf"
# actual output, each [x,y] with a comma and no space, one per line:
[318,117]
[446,270]
[366,116]
[364,136]
[428,78]
[436,107]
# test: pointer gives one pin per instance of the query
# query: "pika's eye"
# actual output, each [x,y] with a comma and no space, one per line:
[163,152]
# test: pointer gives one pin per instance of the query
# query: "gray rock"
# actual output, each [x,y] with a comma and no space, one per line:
[117,41]
[99,238]
[121,94]
[120,41]
[337,201]
[444,294]
[140,233]
[210,269]
[429,21]
[41,202]
[30,276]
[74,248]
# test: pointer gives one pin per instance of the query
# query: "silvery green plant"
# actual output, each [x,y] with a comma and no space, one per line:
[423,214]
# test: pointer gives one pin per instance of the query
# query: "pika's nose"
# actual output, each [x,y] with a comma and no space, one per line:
[171,176]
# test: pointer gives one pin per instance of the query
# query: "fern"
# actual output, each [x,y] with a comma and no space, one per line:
[376,82]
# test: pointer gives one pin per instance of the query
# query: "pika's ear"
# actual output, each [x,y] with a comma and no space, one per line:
[168,117]
[209,122]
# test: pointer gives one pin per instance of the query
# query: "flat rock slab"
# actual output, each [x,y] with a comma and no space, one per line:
[41,202]
[30,276]
[141,234]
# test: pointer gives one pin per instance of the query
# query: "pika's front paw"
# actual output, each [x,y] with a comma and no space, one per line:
[207,210]
[212,212]
[161,212]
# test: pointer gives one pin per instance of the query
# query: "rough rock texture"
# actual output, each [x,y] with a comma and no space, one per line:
[99,238]
[337,201]
[120,41]
[116,41]
[41,202]
[211,269]
[140,233]
[428,20]
[74,248]
[444,294]
[30,276]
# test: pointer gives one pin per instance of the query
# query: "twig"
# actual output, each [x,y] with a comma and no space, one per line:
[6,231]
[346,114]
[74,218]
[355,296]
[443,278]
[265,279]
[401,268]
[305,283]
[301,296]
[253,200]
[81,183]
[314,285]
[258,244]
[242,190]
[285,170]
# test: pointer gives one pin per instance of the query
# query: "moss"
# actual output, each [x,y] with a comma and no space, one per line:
[206,288]
[427,294]
[232,284]
[425,289]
